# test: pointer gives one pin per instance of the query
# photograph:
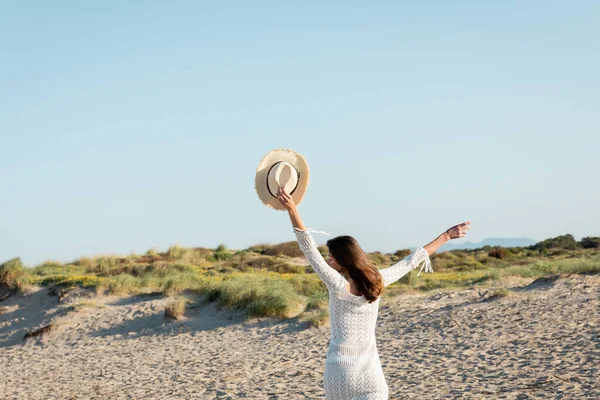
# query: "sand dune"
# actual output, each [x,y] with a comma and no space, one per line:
[536,341]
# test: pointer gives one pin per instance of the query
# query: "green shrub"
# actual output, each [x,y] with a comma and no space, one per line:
[456,260]
[579,266]
[494,262]
[163,269]
[469,264]
[176,253]
[443,260]
[377,258]
[221,253]
[558,252]
[456,279]
[289,249]
[264,262]
[260,296]
[566,242]
[69,280]
[285,268]
[179,282]
[309,285]
[222,256]
[242,254]
[590,242]
[269,305]
[460,254]
[13,274]
[101,265]
[545,267]
[49,268]
[317,319]
[499,253]
[68,269]
[119,284]
[319,301]
[525,271]
[221,248]
[402,253]
[194,256]
[257,248]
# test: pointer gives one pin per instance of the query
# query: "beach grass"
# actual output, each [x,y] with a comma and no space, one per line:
[175,309]
[316,319]
[274,281]
[13,274]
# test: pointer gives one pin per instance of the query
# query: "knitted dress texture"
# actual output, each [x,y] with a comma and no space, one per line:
[352,367]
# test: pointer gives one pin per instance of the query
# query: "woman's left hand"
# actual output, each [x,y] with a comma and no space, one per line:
[458,231]
[285,200]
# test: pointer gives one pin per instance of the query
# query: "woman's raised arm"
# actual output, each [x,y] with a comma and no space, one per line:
[332,279]
[421,255]
[457,231]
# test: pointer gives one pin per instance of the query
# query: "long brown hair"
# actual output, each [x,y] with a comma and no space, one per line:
[349,255]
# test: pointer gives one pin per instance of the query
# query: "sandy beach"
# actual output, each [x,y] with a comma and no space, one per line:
[538,339]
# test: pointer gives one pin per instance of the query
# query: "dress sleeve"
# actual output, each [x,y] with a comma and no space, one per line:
[403,267]
[332,279]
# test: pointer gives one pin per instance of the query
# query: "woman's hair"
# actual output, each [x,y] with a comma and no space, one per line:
[349,255]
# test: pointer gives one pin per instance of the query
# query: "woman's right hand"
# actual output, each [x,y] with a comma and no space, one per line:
[458,231]
[285,200]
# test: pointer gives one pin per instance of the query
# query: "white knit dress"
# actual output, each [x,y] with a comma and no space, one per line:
[352,367]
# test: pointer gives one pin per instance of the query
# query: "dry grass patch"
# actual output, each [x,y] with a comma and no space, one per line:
[379,259]
[318,301]
[261,295]
[176,308]
[317,319]
[13,274]
[288,249]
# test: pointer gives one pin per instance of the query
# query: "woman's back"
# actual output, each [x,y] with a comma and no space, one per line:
[352,317]
[352,367]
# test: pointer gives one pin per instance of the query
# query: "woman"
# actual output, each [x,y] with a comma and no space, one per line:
[352,367]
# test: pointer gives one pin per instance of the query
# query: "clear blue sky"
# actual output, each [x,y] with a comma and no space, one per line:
[131,125]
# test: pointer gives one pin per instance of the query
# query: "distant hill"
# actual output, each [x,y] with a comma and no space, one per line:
[508,242]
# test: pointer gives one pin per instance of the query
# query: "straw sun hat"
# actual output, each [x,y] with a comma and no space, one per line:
[281,168]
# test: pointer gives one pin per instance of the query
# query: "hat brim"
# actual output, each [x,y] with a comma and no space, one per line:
[273,157]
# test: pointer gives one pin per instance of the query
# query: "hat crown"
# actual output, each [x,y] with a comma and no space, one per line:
[282,175]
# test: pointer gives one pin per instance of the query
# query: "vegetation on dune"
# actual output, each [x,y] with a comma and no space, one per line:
[316,319]
[13,274]
[176,308]
[274,280]
[590,242]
